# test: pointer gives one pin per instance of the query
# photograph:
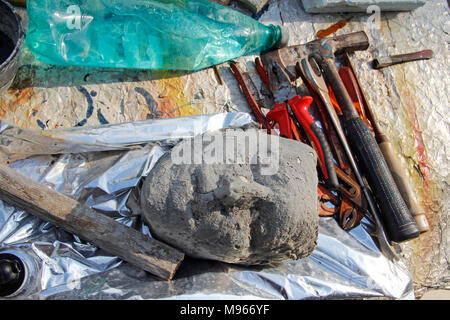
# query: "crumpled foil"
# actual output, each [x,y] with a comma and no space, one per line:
[344,265]
[410,101]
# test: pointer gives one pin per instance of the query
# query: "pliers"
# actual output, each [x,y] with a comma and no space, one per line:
[347,205]
[291,115]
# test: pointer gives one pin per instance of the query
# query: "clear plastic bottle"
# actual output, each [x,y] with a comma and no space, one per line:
[144,34]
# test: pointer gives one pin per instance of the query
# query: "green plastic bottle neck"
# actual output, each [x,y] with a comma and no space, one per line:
[277,36]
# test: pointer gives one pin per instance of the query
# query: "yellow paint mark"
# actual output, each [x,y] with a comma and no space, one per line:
[14,98]
[425,247]
[172,98]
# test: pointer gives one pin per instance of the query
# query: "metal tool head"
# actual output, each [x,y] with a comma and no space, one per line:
[280,83]
[311,74]
[288,57]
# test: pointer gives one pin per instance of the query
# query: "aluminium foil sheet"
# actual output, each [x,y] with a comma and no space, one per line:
[344,265]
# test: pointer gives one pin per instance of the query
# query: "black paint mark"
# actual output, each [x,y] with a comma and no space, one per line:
[40,124]
[151,103]
[258,15]
[200,95]
[81,123]
[419,171]
[90,108]
[122,108]
[86,76]
[101,118]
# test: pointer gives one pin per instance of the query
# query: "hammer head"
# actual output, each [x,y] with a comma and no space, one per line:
[288,57]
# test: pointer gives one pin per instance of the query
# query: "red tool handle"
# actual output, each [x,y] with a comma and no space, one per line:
[351,84]
[300,108]
[260,117]
[262,71]
[279,114]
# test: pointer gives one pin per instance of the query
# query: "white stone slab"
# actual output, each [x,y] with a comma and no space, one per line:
[330,6]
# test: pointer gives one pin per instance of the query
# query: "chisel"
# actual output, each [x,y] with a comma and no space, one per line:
[382,62]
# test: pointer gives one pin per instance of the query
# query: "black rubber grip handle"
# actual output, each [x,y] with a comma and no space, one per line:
[396,218]
[332,181]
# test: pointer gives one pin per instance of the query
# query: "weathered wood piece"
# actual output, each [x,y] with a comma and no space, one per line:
[128,244]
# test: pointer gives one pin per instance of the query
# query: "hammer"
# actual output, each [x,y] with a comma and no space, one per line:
[395,216]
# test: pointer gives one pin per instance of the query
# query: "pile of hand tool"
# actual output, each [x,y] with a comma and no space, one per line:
[355,171]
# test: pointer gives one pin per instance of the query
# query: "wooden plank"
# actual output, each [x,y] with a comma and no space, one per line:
[128,244]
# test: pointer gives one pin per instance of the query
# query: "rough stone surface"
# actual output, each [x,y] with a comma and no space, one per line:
[254,5]
[232,212]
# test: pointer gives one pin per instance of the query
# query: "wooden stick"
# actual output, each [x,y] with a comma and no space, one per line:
[218,75]
[128,244]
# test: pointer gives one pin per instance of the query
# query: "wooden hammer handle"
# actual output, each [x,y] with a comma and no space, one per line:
[400,177]
[128,244]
